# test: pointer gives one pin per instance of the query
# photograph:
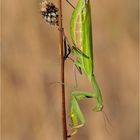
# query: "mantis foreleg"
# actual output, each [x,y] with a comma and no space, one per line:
[77,117]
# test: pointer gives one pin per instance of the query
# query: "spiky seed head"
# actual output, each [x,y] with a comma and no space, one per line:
[49,12]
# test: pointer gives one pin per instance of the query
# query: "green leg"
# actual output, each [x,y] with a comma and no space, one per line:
[76,116]
[83,94]
[74,120]
[78,65]
[75,109]
[98,95]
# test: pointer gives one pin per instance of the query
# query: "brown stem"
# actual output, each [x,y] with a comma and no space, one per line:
[64,124]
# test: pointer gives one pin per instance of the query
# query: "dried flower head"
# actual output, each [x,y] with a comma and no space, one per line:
[49,12]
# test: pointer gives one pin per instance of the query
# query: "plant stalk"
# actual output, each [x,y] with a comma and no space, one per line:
[64,123]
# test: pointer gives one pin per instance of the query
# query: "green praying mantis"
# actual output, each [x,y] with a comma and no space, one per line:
[81,36]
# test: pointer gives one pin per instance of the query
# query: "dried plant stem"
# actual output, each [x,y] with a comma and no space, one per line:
[64,123]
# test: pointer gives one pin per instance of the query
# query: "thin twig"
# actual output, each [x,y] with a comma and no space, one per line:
[64,123]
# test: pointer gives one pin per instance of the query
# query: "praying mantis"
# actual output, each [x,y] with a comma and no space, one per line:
[81,36]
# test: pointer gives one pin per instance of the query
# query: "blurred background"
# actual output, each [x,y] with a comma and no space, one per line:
[31,63]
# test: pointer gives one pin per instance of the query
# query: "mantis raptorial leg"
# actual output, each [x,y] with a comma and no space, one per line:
[76,116]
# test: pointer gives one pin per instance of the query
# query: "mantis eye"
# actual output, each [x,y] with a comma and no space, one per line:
[49,12]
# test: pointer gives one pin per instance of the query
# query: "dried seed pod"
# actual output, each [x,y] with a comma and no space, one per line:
[49,12]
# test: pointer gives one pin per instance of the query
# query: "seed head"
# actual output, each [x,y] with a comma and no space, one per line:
[49,12]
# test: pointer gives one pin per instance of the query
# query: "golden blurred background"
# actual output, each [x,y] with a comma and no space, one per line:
[31,62]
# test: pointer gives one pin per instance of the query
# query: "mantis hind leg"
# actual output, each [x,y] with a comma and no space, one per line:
[97,95]
[83,94]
